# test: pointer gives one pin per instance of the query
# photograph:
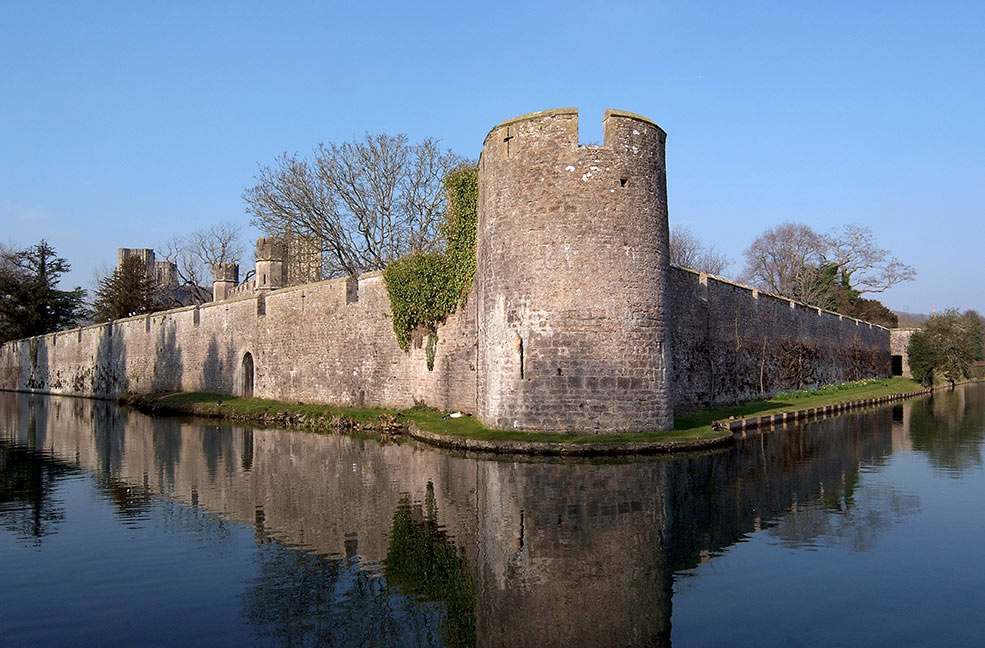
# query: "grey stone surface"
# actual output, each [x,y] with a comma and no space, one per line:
[572,265]
[731,343]
[899,341]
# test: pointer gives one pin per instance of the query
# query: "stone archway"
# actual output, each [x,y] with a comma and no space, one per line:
[248,375]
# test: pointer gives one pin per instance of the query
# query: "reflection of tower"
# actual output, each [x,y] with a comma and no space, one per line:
[571,276]
[571,555]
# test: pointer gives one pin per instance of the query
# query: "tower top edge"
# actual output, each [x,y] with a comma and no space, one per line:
[612,112]
[571,114]
[552,112]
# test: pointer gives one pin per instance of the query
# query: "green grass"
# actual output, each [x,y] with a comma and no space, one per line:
[696,425]
[234,406]
[698,422]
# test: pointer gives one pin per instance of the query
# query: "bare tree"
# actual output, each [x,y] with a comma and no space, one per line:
[178,251]
[368,201]
[687,251]
[195,254]
[794,261]
[863,264]
[785,260]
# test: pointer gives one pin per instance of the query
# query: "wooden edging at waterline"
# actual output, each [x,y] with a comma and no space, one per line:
[739,427]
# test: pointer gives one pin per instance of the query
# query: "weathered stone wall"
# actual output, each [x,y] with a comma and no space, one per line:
[576,324]
[899,342]
[572,257]
[731,343]
[329,342]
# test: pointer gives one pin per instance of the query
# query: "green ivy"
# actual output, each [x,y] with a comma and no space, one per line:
[425,288]
[422,562]
[458,228]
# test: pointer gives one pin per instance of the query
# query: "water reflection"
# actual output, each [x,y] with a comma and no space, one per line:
[27,478]
[949,427]
[356,543]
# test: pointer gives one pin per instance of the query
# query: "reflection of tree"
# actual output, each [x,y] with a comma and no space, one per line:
[950,427]
[166,436]
[110,435]
[27,479]
[421,562]
[857,522]
[218,442]
[131,503]
[804,482]
[303,599]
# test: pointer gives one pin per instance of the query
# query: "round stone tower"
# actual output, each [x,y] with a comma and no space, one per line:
[571,277]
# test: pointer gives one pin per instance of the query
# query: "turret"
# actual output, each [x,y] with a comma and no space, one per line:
[225,277]
[271,266]
[146,256]
[572,274]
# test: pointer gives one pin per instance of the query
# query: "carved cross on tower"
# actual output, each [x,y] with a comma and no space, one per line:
[507,140]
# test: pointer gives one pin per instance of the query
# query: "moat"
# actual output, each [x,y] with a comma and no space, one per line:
[121,529]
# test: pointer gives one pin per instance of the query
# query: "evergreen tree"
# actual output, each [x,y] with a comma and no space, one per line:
[30,302]
[128,291]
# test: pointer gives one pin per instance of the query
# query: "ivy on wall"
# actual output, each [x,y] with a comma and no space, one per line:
[426,288]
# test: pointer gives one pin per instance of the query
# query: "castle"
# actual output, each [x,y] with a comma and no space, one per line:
[577,321]
[163,275]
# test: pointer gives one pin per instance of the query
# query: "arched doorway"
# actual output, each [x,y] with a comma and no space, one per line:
[247,375]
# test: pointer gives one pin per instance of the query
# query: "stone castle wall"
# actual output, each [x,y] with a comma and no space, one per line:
[330,342]
[577,322]
[732,343]
[899,346]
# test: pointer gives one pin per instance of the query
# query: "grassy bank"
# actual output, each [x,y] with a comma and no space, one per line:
[328,418]
[699,423]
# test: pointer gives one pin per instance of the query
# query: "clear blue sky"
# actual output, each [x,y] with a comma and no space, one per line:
[123,124]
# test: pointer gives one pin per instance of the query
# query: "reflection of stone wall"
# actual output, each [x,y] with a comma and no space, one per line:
[552,548]
[558,553]
[766,477]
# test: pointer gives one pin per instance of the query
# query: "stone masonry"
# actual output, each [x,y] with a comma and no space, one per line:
[577,322]
[572,258]
[898,346]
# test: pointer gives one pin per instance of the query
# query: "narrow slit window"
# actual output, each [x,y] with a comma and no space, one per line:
[520,351]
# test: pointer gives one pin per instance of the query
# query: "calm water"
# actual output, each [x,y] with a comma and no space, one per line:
[118,530]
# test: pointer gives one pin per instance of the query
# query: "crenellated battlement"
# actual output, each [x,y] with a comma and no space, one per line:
[271,249]
[556,132]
